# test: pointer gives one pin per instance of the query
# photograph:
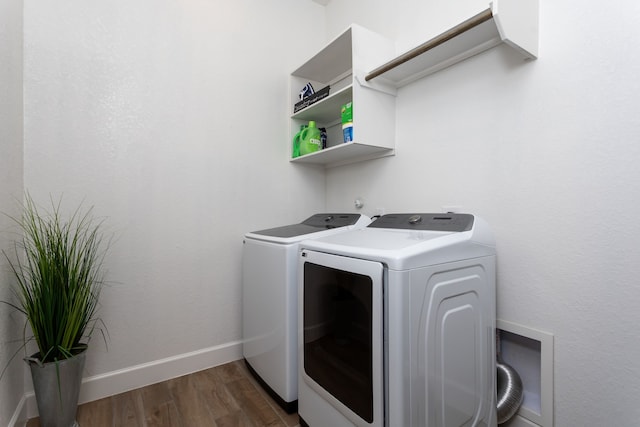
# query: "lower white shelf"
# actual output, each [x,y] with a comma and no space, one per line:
[343,154]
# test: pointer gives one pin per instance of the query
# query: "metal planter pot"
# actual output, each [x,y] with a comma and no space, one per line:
[57,387]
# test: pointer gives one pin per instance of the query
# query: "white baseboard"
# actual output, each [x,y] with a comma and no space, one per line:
[19,418]
[120,381]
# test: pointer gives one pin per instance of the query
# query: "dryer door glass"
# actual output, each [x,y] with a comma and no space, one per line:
[341,333]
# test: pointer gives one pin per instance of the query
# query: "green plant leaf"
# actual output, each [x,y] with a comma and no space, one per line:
[58,266]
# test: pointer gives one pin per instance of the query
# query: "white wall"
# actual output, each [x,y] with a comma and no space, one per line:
[12,384]
[547,152]
[171,118]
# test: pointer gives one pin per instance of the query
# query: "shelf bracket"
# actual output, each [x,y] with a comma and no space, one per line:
[379,86]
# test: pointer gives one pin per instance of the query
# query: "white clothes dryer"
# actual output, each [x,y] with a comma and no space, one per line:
[396,324]
[269,299]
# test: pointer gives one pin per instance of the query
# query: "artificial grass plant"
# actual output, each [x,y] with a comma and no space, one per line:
[58,268]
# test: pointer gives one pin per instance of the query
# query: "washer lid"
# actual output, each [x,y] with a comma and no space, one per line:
[314,224]
[402,246]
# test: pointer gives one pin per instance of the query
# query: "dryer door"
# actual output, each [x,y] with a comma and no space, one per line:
[341,302]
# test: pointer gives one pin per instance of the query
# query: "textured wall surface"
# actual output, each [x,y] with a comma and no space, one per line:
[171,119]
[12,383]
[547,152]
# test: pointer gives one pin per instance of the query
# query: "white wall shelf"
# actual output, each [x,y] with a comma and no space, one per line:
[513,22]
[337,65]
[344,62]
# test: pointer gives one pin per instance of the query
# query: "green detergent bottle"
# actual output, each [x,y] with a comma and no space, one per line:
[296,142]
[310,141]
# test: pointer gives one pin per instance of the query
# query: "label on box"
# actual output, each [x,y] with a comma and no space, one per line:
[347,132]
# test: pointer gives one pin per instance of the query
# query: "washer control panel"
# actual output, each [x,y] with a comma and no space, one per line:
[315,223]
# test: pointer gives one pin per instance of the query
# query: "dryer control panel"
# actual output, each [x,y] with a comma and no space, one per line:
[425,221]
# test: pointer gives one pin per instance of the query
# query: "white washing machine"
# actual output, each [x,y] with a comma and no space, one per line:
[396,324]
[270,298]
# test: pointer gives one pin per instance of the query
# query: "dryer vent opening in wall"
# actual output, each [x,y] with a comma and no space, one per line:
[530,353]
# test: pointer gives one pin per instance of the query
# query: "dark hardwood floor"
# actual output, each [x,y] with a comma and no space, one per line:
[224,396]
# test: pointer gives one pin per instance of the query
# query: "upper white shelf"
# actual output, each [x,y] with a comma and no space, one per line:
[513,22]
[325,110]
